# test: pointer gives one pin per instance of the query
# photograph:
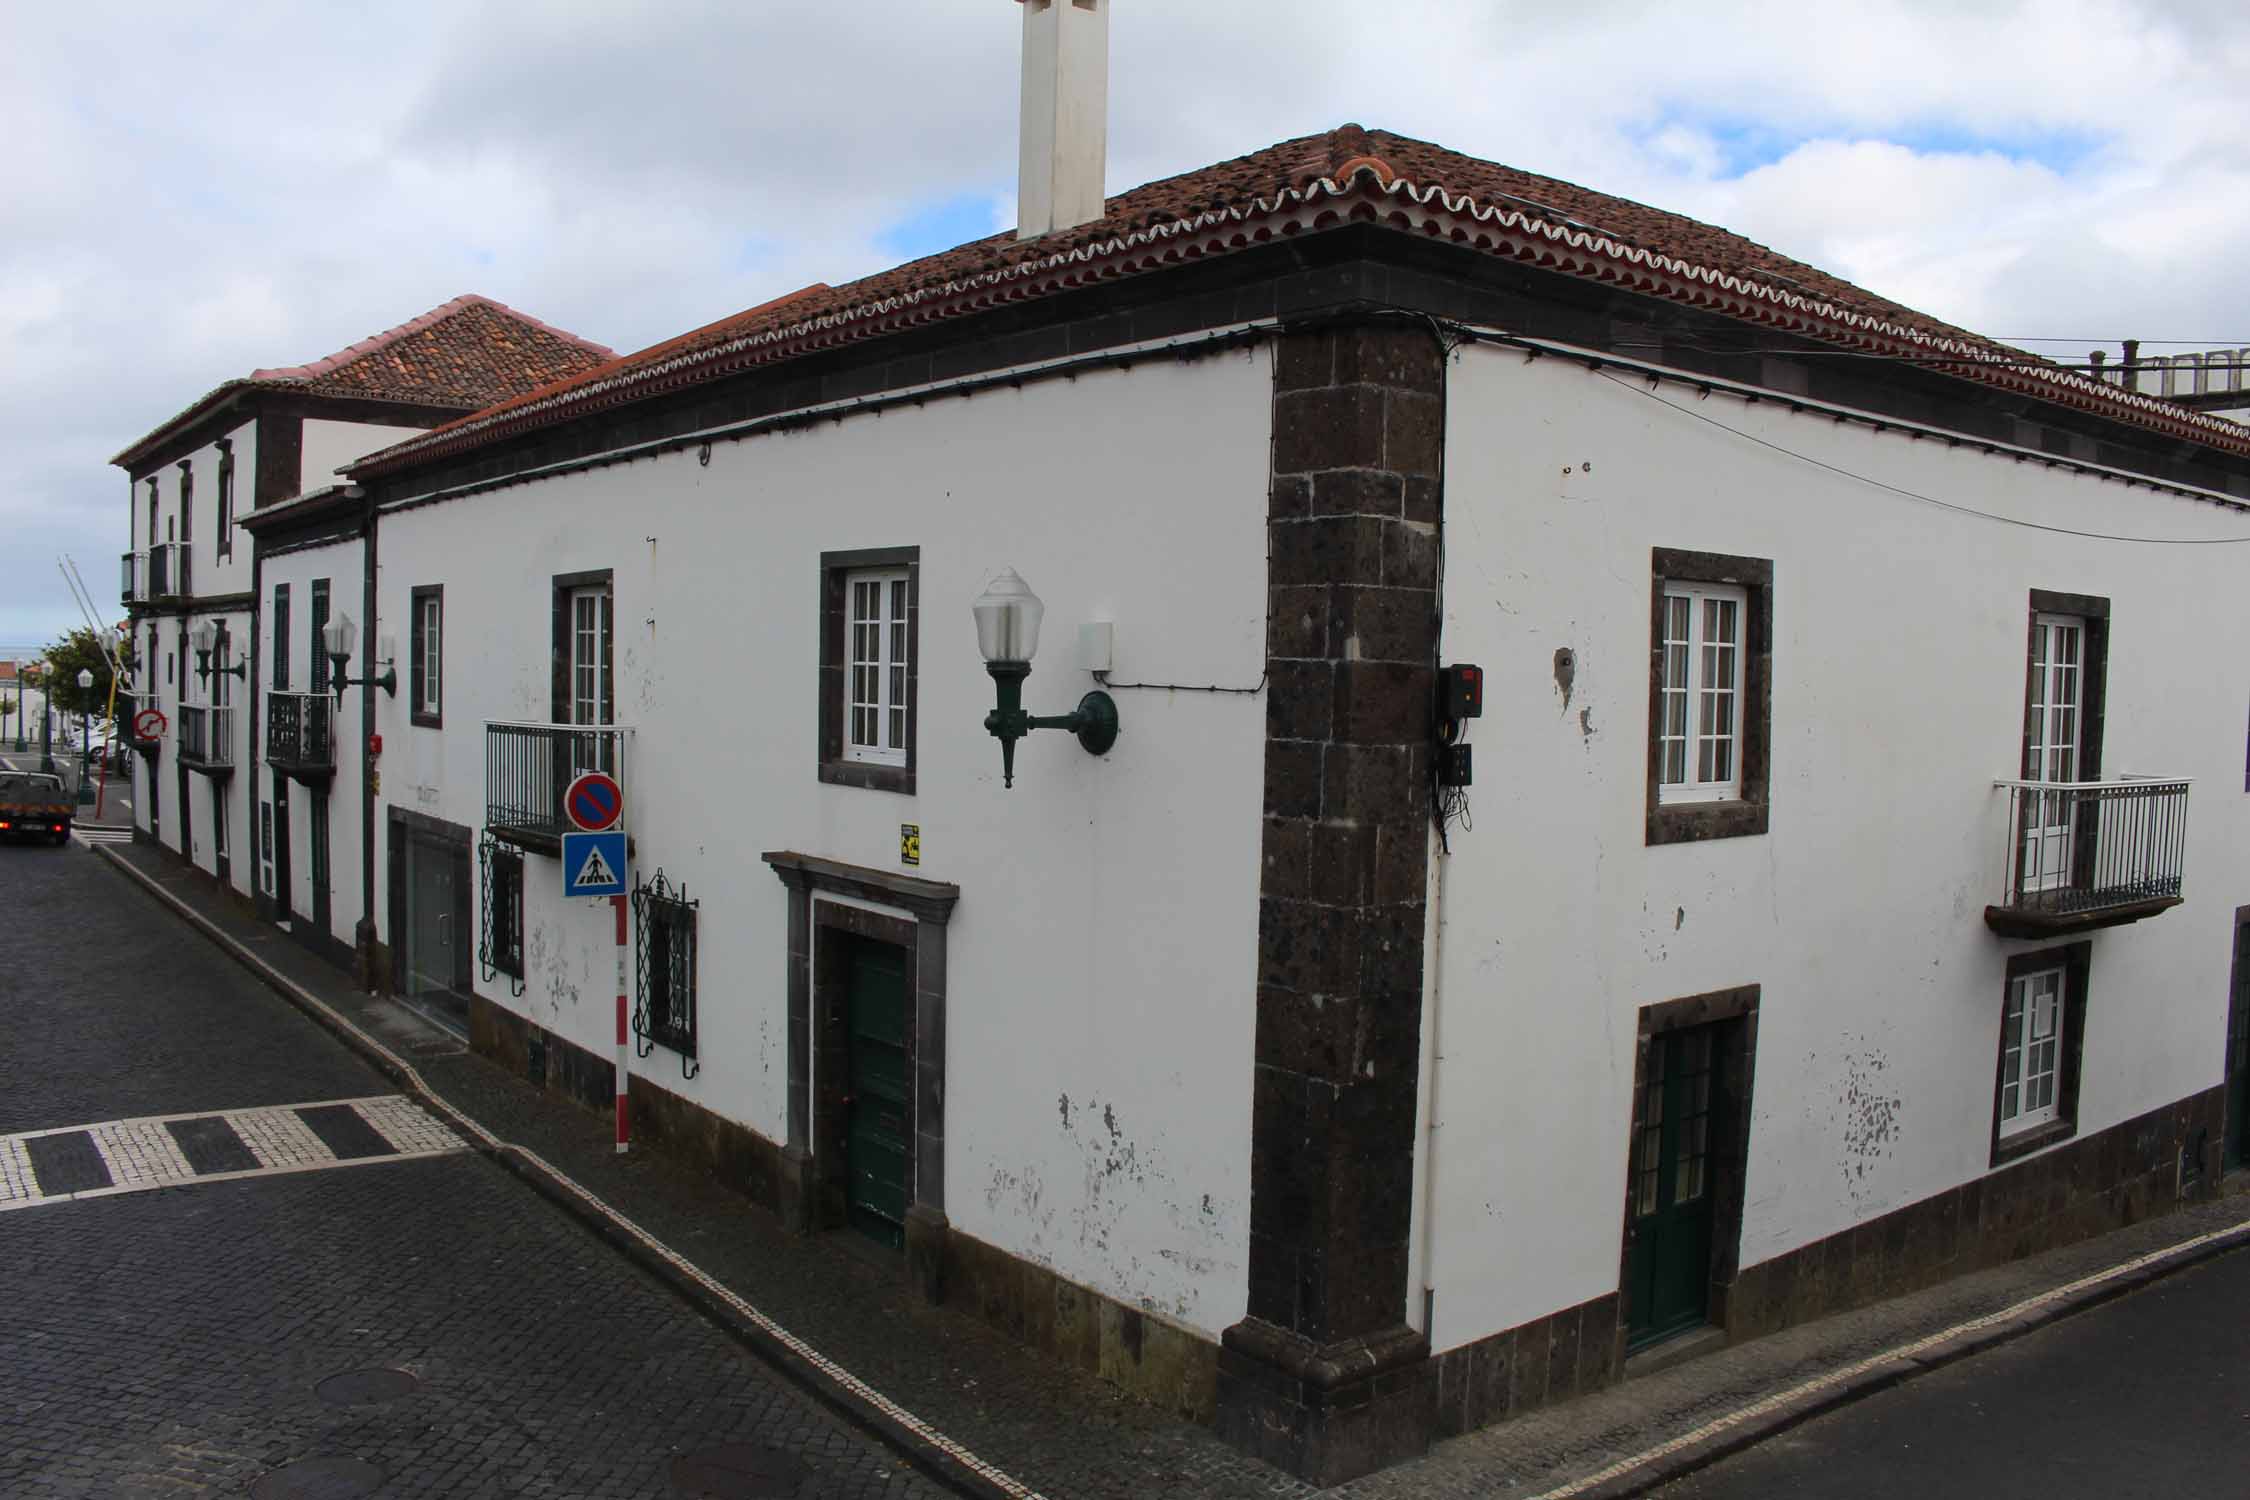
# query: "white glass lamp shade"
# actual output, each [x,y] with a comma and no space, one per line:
[340,635]
[85,677]
[1008,618]
[205,636]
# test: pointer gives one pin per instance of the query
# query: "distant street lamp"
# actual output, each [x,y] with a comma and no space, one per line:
[85,738]
[23,671]
[46,719]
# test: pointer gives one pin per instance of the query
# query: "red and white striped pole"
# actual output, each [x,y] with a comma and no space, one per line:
[624,1122]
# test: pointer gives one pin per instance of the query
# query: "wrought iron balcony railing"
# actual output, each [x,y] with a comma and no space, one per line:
[2087,854]
[528,767]
[207,737]
[168,571]
[300,733]
[132,586]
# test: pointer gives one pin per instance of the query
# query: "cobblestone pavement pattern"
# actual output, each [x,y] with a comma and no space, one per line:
[168,1342]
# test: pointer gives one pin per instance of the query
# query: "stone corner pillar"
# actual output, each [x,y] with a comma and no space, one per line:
[1323,1377]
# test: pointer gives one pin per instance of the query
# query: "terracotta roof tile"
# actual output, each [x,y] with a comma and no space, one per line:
[1305,185]
[465,354]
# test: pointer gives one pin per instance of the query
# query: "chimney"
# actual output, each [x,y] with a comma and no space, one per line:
[1065,115]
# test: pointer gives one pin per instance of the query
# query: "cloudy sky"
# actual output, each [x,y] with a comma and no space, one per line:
[190,191]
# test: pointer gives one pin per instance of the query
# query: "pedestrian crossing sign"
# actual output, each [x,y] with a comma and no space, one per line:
[593,864]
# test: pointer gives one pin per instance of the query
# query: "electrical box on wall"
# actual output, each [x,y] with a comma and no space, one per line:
[1453,766]
[1096,645]
[1461,692]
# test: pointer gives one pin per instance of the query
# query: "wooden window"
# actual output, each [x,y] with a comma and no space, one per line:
[316,639]
[187,501]
[426,657]
[225,538]
[875,727]
[281,641]
[2031,1051]
[1710,695]
[869,676]
[2042,1041]
[1701,728]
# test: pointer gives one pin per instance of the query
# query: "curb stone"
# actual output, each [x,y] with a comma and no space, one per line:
[930,1460]
[1678,1464]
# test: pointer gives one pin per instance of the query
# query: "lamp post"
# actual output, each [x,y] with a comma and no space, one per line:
[85,738]
[339,636]
[46,719]
[1008,616]
[23,670]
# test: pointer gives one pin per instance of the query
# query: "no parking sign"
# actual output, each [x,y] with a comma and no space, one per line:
[594,801]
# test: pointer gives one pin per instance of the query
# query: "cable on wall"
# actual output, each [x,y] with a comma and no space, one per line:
[1903,492]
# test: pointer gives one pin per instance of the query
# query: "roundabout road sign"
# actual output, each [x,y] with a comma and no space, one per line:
[594,801]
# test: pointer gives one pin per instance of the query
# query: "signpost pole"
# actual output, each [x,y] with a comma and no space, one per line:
[624,1099]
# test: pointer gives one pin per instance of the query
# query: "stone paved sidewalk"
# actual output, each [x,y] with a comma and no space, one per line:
[1060,1433]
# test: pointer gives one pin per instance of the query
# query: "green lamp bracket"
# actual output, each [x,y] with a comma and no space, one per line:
[1094,721]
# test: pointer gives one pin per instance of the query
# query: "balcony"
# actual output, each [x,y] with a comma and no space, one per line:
[168,572]
[207,739]
[301,736]
[2089,854]
[132,587]
[528,767]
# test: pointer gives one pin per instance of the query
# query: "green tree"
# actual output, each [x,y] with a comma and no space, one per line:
[80,650]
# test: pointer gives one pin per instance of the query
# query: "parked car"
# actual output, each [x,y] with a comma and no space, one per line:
[34,805]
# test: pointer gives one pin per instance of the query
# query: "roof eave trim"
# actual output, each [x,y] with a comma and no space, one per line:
[1570,248]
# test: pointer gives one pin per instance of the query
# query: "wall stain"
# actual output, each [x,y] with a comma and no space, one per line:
[1566,674]
[1586,729]
[1127,1207]
[1870,1119]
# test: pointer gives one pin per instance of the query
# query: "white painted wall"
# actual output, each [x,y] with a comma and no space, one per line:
[340,564]
[329,445]
[1898,689]
[1102,956]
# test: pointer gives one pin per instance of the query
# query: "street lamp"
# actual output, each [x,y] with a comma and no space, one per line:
[207,637]
[340,635]
[1008,617]
[23,674]
[46,719]
[85,738]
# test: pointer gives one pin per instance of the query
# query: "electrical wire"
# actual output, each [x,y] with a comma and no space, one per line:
[2100,536]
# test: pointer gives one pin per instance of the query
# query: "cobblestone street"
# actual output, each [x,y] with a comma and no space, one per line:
[170,1330]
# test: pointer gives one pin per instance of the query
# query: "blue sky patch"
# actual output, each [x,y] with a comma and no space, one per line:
[939,225]
[1746,145]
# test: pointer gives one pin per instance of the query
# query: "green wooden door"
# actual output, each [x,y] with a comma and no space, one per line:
[878,1115]
[2238,1053]
[1668,1225]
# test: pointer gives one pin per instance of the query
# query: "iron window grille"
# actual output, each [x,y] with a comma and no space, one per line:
[664,948]
[500,949]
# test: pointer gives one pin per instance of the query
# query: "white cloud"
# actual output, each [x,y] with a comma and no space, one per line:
[196,192]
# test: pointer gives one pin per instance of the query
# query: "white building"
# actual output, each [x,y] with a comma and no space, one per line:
[1847,892]
[249,445]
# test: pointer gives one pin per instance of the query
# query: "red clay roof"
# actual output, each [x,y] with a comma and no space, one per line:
[464,354]
[1348,175]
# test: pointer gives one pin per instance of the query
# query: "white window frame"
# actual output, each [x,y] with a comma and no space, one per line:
[586,709]
[433,653]
[2031,1063]
[1698,697]
[876,700]
[2054,747]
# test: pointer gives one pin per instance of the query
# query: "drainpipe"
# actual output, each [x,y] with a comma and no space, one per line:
[363,938]
[1437,1121]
